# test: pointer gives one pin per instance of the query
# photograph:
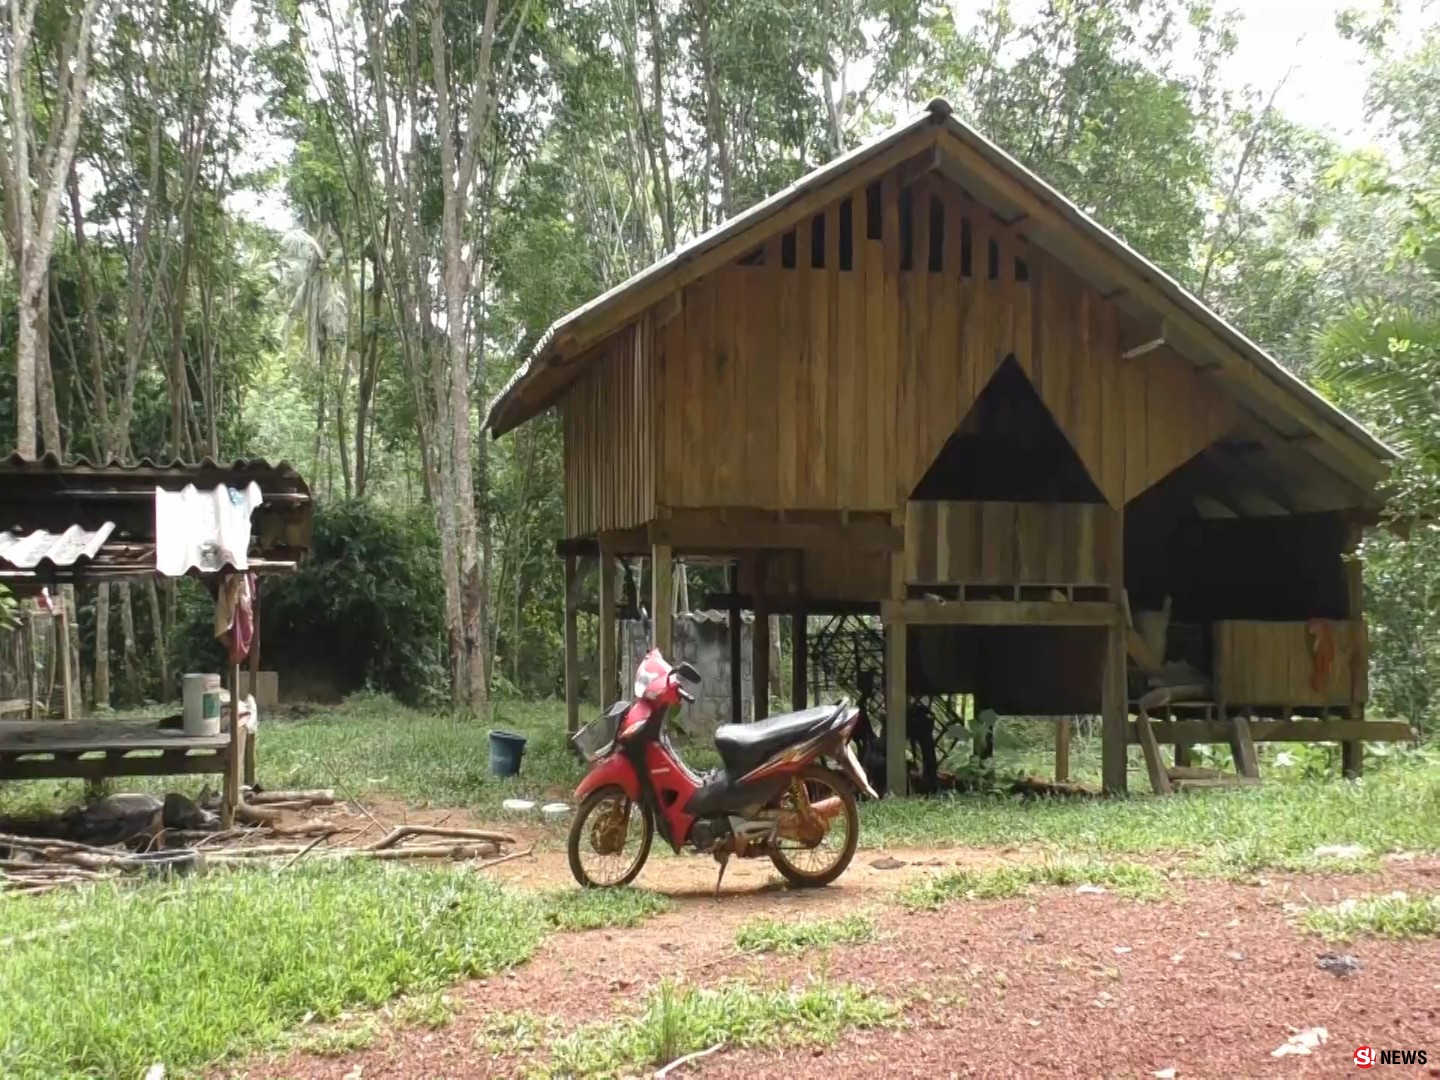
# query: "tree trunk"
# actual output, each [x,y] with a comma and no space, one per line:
[49,413]
[162,638]
[342,438]
[132,691]
[25,434]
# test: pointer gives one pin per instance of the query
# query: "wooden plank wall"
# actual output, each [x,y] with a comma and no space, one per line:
[1270,663]
[1002,543]
[608,418]
[789,380]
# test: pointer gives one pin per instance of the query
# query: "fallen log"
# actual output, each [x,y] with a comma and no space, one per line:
[255,815]
[403,832]
[318,797]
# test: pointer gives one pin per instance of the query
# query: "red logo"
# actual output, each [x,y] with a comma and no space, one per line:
[1365,1058]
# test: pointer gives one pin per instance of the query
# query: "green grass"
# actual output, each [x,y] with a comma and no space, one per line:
[192,972]
[601,909]
[766,935]
[1004,882]
[1395,808]
[1395,916]
[676,1020]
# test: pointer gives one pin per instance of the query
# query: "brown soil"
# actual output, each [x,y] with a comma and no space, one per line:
[1059,984]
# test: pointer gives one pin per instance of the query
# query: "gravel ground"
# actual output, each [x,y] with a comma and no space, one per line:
[1059,984]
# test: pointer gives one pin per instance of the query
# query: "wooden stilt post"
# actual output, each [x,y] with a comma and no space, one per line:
[662,599]
[572,644]
[234,764]
[1352,753]
[737,715]
[62,642]
[254,658]
[1114,704]
[799,660]
[1062,749]
[897,776]
[760,646]
[608,677]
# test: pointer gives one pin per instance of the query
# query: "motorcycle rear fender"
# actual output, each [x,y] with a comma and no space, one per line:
[614,769]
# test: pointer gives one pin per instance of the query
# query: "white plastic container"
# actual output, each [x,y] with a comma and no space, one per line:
[201,696]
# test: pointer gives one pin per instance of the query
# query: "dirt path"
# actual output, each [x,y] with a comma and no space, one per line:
[1060,984]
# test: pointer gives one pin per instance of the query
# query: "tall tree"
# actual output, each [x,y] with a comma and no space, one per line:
[34,179]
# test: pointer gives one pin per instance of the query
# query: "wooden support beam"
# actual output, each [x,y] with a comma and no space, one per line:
[736,625]
[897,778]
[234,754]
[1114,699]
[1191,732]
[608,660]
[701,531]
[760,652]
[799,660]
[1242,747]
[1154,764]
[1352,753]
[62,642]
[929,612]
[662,600]
[572,644]
[1062,749]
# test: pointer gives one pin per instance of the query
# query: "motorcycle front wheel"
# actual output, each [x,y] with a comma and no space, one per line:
[811,866]
[609,839]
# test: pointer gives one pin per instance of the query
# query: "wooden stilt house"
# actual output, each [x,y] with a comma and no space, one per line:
[921,384]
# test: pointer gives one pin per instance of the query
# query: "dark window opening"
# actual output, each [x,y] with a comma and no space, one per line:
[874,229]
[753,258]
[1022,269]
[787,250]
[937,235]
[847,237]
[817,242]
[994,261]
[907,230]
[1010,449]
[964,247]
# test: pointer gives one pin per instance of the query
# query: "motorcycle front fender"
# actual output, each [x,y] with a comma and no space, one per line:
[613,769]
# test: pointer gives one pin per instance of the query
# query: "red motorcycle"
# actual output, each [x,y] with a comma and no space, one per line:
[772,797]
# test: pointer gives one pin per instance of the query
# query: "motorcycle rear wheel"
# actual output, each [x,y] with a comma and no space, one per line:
[582,833]
[821,783]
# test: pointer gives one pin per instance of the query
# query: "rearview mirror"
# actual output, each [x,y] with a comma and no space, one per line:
[686,670]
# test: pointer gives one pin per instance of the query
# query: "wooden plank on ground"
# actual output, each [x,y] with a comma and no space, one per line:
[1242,746]
[1159,779]
[1262,731]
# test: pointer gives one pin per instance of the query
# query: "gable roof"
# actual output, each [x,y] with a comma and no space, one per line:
[1042,213]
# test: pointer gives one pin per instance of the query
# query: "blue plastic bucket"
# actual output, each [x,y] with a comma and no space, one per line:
[506,750]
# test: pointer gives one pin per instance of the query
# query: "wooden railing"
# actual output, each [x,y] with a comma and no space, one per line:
[1009,543]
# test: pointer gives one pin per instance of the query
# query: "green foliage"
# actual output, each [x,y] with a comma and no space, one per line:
[678,1019]
[364,609]
[788,936]
[1397,915]
[9,609]
[199,970]
[1130,880]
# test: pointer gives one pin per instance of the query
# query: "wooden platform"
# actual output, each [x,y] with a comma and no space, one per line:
[95,749]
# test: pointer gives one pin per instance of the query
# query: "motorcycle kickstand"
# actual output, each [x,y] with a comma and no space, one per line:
[724,859]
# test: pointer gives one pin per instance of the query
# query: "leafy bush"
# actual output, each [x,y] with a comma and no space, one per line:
[365,610]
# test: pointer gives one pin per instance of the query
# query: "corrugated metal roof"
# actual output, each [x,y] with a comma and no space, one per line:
[73,546]
[940,114]
[51,462]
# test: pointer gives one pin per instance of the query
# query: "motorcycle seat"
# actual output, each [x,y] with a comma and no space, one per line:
[742,747]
